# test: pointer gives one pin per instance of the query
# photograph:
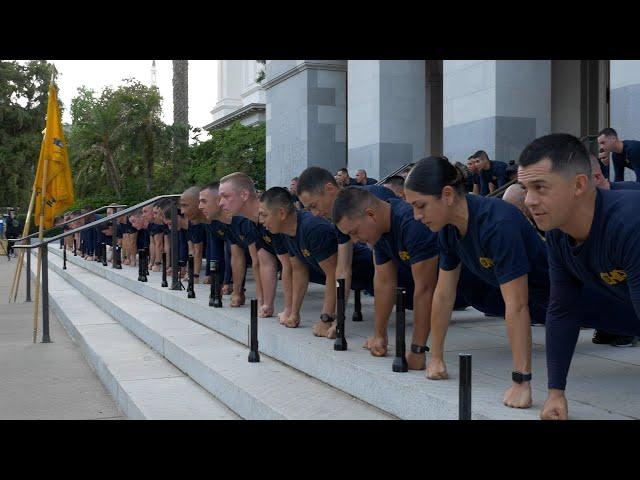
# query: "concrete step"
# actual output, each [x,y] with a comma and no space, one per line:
[143,383]
[264,390]
[407,395]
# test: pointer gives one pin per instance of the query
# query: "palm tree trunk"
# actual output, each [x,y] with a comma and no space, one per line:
[180,112]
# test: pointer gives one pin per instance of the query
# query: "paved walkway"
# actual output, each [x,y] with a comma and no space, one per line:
[43,381]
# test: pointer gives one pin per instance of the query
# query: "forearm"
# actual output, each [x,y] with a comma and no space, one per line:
[383,302]
[255,268]
[300,282]
[239,267]
[287,282]
[441,309]
[518,322]
[422,301]
[561,333]
[268,275]
[329,304]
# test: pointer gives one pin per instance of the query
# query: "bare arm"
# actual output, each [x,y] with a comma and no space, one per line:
[343,266]
[329,268]
[255,267]
[197,259]
[424,279]
[385,281]
[287,286]
[516,300]
[300,282]
[238,268]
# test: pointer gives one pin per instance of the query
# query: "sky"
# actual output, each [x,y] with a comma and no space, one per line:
[96,74]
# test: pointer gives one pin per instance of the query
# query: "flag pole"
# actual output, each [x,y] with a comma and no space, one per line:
[25,231]
[43,204]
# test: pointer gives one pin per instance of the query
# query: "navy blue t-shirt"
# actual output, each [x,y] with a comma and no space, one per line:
[630,157]
[264,238]
[196,232]
[608,262]
[496,174]
[314,241]
[217,229]
[371,181]
[408,241]
[500,245]
[380,192]
[625,185]
[241,232]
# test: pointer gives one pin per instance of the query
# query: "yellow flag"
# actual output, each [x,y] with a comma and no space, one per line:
[59,185]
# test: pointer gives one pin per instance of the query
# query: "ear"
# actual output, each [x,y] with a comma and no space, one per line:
[329,188]
[581,183]
[448,195]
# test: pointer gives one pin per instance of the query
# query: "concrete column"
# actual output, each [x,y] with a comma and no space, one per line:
[495,105]
[230,84]
[306,117]
[625,102]
[386,114]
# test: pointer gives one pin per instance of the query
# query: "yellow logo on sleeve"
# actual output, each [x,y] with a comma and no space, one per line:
[267,238]
[306,252]
[220,233]
[404,255]
[614,276]
[486,262]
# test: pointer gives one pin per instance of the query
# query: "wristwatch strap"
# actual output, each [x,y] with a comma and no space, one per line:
[325,317]
[419,348]
[519,377]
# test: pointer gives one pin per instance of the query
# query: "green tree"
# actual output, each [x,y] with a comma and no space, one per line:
[23,106]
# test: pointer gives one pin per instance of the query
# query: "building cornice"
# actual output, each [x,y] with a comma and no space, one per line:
[301,68]
[235,115]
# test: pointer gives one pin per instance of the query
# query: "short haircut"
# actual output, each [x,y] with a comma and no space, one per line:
[595,164]
[362,170]
[346,172]
[294,178]
[351,203]
[136,213]
[481,154]
[278,197]
[608,132]
[213,186]
[313,180]
[192,192]
[567,154]
[240,181]
[395,180]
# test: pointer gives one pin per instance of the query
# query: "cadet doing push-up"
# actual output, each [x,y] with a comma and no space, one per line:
[496,244]
[592,239]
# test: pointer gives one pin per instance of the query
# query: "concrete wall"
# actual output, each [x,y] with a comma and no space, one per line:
[495,105]
[386,114]
[306,118]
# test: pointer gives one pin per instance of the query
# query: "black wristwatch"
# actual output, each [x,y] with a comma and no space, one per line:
[326,318]
[518,377]
[419,348]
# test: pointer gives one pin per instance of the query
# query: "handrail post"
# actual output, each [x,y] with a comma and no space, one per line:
[45,294]
[254,355]
[64,258]
[191,293]
[28,279]
[357,306]
[400,361]
[103,251]
[215,299]
[164,270]
[75,253]
[175,283]
[341,342]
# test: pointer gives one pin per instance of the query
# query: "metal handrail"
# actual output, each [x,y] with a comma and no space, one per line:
[381,182]
[70,221]
[98,222]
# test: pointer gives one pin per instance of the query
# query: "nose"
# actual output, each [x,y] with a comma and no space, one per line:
[530,199]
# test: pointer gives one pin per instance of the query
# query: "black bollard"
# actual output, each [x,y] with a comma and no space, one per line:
[357,310]
[191,293]
[400,361]
[103,250]
[74,247]
[64,258]
[61,243]
[164,270]
[254,356]
[341,342]
[147,254]
[141,271]
[215,298]
[117,257]
[464,396]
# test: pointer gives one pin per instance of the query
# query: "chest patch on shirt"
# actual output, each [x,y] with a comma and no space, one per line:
[486,262]
[220,233]
[241,237]
[267,238]
[306,252]
[614,276]
[404,255]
